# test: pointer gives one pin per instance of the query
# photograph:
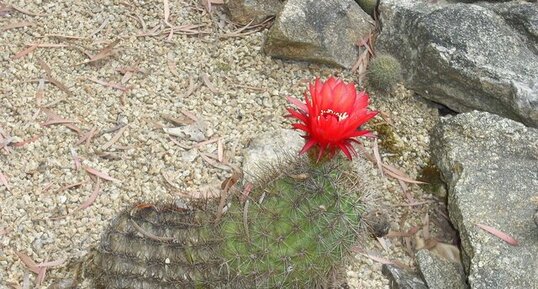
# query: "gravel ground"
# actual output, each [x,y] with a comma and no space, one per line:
[223,88]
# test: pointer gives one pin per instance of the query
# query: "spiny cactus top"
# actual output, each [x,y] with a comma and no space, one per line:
[331,117]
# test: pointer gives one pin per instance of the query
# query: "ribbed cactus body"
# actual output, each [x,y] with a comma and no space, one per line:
[159,247]
[294,231]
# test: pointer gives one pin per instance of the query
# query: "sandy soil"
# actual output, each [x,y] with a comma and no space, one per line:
[86,88]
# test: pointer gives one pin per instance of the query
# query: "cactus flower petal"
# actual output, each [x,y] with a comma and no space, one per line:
[331,116]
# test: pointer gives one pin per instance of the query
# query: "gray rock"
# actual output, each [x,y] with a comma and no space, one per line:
[440,273]
[467,56]
[267,150]
[402,279]
[244,11]
[318,31]
[490,165]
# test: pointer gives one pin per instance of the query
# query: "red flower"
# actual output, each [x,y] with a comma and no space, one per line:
[332,117]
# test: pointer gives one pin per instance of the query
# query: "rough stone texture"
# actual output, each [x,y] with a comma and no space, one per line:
[490,165]
[268,149]
[402,279]
[467,56]
[318,31]
[440,273]
[244,11]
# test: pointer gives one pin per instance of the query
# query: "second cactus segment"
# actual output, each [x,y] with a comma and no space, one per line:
[293,232]
[384,72]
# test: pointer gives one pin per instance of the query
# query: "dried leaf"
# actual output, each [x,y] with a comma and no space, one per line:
[30,264]
[378,157]
[24,11]
[76,159]
[207,158]
[383,243]
[166,12]
[70,186]
[16,25]
[114,138]
[220,150]
[87,137]
[426,226]
[208,83]
[60,85]
[172,67]
[3,180]
[499,234]
[246,192]
[109,84]
[104,53]
[178,121]
[379,259]
[208,142]
[25,52]
[42,271]
[191,88]
[100,174]
[93,196]
[51,263]
[101,27]
[397,174]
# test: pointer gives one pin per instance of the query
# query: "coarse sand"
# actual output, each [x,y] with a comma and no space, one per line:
[86,88]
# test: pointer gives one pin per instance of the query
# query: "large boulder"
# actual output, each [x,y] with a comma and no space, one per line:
[440,273]
[318,31]
[245,11]
[490,165]
[402,279]
[467,56]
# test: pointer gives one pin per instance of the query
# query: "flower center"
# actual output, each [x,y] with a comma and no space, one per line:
[329,112]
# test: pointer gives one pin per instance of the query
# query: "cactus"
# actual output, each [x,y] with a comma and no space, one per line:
[384,72]
[367,6]
[158,246]
[294,230]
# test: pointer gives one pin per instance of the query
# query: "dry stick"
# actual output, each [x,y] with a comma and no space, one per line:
[70,186]
[65,36]
[109,84]
[23,11]
[16,25]
[114,138]
[105,52]
[177,121]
